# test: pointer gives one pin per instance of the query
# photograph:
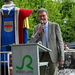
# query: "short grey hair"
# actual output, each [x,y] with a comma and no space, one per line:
[42,10]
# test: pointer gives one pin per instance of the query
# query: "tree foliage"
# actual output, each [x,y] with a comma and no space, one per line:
[57,11]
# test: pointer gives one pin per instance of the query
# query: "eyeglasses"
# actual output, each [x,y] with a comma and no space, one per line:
[41,15]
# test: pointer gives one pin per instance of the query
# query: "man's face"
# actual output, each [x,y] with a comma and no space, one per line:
[43,16]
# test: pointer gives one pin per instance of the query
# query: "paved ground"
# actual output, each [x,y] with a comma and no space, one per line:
[66,72]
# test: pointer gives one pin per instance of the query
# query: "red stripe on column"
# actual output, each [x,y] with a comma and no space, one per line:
[7,25]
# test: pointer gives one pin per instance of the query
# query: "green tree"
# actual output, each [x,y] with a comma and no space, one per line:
[57,9]
[67,7]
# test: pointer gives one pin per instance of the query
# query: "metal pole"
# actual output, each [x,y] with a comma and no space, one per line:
[65,21]
[65,31]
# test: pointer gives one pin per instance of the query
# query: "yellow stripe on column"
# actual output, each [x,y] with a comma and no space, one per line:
[26,23]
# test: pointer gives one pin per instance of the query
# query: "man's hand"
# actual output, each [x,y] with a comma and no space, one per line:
[40,28]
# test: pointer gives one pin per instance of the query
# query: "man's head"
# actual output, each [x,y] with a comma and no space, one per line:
[65,47]
[42,15]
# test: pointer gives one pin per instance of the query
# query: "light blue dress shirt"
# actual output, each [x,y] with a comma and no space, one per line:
[46,30]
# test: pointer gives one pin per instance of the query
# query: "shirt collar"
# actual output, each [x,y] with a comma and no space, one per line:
[46,25]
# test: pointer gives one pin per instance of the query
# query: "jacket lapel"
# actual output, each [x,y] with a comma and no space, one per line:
[49,31]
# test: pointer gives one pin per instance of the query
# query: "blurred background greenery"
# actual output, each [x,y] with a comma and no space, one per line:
[58,10]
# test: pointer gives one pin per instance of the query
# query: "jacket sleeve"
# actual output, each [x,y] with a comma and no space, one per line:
[60,43]
[35,37]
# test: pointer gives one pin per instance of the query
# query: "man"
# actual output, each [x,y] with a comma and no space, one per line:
[65,47]
[52,39]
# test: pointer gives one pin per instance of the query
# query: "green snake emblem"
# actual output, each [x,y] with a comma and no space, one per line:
[28,65]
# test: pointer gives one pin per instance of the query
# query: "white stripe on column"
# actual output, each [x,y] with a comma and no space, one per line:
[16,25]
